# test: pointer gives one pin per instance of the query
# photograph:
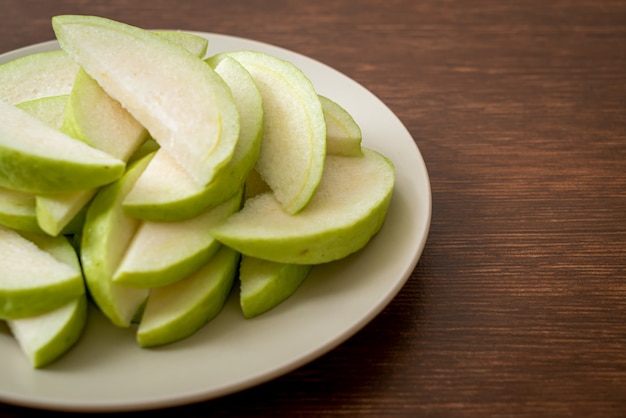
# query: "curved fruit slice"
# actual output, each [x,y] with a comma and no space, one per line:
[343,134]
[178,310]
[294,138]
[265,284]
[32,279]
[106,234]
[182,102]
[34,157]
[55,211]
[164,252]
[348,208]
[165,192]
[96,119]
[44,338]
[34,76]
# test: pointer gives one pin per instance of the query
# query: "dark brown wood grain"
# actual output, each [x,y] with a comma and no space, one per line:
[517,307]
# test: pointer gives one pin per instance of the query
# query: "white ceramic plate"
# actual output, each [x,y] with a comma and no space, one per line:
[107,371]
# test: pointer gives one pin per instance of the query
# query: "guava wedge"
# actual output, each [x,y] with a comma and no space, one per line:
[100,121]
[343,134]
[185,106]
[33,280]
[54,212]
[265,284]
[36,158]
[178,310]
[44,338]
[106,235]
[293,147]
[347,210]
[164,252]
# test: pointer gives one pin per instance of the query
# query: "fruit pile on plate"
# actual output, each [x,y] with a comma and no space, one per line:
[143,176]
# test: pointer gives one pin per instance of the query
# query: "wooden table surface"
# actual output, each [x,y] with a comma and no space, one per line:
[517,307]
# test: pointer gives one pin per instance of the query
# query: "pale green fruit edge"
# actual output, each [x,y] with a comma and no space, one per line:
[42,352]
[58,330]
[265,284]
[187,263]
[90,111]
[317,247]
[35,170]
[27,302]
[203,296]
[56,213]
[305,92]
[101,235]
[22,303]
[343,134]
